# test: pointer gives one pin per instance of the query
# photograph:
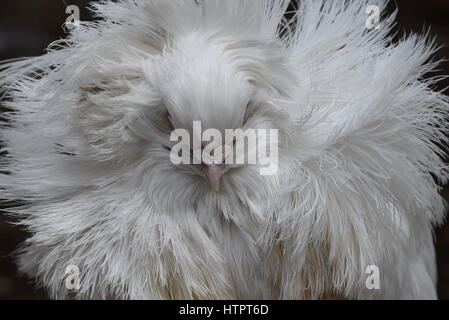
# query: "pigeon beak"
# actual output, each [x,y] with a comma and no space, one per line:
[213,174]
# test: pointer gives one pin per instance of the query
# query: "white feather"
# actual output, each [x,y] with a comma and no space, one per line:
[359,130]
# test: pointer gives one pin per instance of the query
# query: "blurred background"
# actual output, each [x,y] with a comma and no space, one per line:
[28,27]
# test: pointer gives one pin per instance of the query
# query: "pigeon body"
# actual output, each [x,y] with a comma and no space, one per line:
[87,144]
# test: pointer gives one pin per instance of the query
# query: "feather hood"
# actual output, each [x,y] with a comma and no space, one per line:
[360,129]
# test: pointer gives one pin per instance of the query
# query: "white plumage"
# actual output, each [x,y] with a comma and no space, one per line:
[359,131]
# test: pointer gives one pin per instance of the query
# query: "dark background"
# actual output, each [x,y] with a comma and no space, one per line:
[27,27]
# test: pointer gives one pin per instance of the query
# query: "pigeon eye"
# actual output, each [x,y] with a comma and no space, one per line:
[245,117]
[169,122]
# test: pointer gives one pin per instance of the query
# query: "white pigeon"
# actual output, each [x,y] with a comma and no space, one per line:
[349,213]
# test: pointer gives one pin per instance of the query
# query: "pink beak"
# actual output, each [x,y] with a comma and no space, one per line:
[213,173]
[215,169]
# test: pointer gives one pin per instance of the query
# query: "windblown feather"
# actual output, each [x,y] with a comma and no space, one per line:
[360,129]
